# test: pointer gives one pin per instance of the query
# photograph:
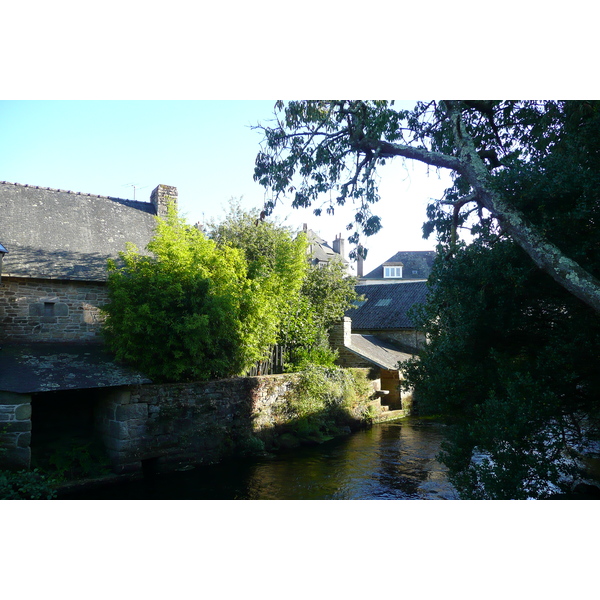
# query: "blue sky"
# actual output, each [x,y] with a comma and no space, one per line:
[204,148]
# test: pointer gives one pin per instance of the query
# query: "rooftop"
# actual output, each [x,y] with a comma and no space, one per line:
[387,306]
[376,351]
[60,234]
[319,250]
[45,367]
[416,264]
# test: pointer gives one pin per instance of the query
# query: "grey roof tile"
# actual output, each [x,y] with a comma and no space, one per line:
[378,352]
[45,367]
[386,306]
[417,264]
[59,234]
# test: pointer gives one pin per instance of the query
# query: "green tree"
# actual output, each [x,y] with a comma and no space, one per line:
[189,310]
[307,301]
[511,364]
[511,355]
[330,291]
[335,147]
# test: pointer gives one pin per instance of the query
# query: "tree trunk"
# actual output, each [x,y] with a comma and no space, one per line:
[468,163]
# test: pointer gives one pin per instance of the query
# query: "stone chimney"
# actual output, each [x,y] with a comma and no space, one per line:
[161,196]
[340,335]
[338,245]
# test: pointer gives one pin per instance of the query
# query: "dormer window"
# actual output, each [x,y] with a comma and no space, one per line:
[392,272]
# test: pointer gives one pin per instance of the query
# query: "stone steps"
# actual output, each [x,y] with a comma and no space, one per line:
[386,413]
[391,415]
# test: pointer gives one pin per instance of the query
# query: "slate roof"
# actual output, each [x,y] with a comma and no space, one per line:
[59,234]
[386,306]
[382,354]
[417,264]
[320,250]
[45,367]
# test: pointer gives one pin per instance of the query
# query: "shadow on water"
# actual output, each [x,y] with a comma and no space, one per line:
[389,461]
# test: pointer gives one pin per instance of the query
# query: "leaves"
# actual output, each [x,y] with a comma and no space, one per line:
[188,312]
[302,302]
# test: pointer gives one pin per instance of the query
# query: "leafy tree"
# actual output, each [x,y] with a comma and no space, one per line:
[331,292]
[190,310]
[335,147]
[511,359]
[511,362]
[306,300]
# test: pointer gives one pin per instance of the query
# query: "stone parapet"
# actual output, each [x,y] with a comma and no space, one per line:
[193,423]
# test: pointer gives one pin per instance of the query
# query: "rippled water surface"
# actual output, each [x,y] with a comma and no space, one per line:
[389,461]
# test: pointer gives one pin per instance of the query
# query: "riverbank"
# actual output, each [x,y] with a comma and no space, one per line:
[393,461]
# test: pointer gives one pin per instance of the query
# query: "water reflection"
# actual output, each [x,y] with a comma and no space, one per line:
[388,461]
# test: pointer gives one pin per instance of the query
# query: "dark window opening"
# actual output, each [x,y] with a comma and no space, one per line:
[48,309]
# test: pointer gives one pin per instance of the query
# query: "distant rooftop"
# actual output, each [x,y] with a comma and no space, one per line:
[320,251]
[415,264]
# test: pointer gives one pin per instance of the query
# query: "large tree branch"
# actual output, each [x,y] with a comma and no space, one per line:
[546,255]
[390,150]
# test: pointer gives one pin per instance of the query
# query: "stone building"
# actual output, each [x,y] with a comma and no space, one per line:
[58,241]
[55,248]
[385,313]
[357,350]
[379,333]
[321,253]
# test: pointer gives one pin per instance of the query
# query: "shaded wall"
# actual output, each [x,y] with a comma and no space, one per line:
[196,423]
[15,430]
[47,310]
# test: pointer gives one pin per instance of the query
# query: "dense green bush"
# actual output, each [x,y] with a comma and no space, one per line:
[193,310]
[307,301]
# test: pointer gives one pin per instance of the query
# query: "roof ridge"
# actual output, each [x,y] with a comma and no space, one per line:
[39,187]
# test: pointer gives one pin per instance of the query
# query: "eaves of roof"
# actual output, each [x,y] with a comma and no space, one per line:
[378,352]
[46,367]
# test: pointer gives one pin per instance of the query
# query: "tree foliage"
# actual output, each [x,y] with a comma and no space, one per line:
[307,301]
[335,148]
[190,310]
[512,356]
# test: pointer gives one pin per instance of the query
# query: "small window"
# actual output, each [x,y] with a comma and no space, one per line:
[48,309]
[392,272]
[384,302]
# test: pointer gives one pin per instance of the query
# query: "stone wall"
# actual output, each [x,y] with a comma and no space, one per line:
[166,426]
[47,310]
[189,423]
[15,430]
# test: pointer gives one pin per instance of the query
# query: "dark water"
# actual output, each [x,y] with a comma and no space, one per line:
[391,461]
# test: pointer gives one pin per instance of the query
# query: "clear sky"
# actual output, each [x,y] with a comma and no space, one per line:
[204,148]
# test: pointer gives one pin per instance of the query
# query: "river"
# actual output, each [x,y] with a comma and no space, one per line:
[390,461]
